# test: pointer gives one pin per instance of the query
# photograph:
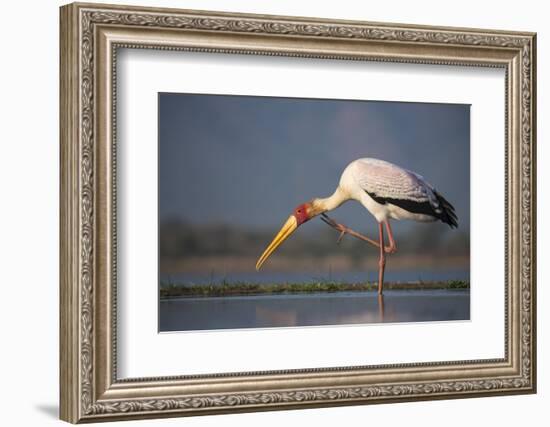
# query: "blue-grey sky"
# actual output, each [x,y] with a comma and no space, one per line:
[248,161]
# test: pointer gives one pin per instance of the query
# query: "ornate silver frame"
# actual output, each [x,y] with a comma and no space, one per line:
[90,36]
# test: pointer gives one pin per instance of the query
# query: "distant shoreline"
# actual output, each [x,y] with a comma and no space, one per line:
[240,289]
[287,264]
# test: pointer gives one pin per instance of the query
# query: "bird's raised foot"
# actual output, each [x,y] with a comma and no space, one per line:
[343,231]
[346,230]
[338,227]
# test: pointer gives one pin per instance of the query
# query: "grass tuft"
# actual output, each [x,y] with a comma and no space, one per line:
[173,290]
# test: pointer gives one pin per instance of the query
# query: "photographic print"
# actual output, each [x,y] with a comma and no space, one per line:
[291,212]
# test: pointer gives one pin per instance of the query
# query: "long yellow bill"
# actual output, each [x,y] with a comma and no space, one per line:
[288,228]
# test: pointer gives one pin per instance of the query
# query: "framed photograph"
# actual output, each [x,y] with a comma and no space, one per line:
[266,212]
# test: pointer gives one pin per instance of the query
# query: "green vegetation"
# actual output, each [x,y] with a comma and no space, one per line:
[232,289]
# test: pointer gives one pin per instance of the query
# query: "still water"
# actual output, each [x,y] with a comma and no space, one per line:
[314,309]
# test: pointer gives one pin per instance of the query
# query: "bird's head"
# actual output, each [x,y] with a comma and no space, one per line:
[302,213]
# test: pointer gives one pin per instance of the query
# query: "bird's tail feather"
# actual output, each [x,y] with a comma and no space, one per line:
[448,214]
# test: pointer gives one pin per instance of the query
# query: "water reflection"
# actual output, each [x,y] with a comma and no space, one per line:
[381,307]
[278,317]
[274,317]
[342,308]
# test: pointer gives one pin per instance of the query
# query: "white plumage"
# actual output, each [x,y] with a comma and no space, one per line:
[389,191]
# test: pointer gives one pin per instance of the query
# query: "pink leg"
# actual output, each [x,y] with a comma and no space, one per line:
[393,247]
[382,260]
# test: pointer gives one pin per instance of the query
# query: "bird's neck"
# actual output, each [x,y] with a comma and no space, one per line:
[329,203]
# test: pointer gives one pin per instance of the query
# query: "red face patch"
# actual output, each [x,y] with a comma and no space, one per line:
[301,213]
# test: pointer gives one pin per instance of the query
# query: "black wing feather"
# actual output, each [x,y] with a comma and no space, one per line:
[447,214]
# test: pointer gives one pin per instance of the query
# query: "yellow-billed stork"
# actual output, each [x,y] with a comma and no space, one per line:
[387,191]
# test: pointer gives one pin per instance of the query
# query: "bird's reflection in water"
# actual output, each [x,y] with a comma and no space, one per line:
[381,307]
[321,311]
[278,317]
